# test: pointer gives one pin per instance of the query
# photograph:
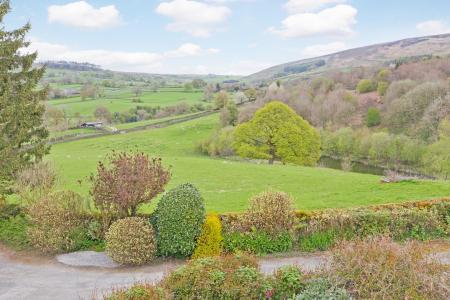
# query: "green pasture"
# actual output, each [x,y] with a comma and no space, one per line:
[120,100]
[227,185]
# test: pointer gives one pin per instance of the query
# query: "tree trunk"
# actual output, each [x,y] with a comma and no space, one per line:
[272,153]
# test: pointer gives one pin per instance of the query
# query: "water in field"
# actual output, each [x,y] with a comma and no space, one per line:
[357,167]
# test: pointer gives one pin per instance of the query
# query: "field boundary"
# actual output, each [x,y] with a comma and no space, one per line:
[162,124]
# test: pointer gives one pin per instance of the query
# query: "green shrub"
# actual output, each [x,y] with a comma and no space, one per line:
[322,289]
[318,240]
[13,232]
[378,268]
[209,243]
[257,242]
[219,143]
[373,117]
[131,241]
[271,212]
[8,210]
[287,282]
[179,217]
[217,278]
[58,222]
[365,86]
[382,87]
[138,292]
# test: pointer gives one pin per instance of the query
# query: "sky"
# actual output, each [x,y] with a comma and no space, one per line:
[236,37]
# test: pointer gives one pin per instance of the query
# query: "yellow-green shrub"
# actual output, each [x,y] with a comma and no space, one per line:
[131,241]
[209,243]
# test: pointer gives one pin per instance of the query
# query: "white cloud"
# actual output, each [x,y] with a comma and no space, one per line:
[334,21]
[323,49]
[432,27]
[116,60]
[196,18]
[189,49]
[82,14]
[301,6]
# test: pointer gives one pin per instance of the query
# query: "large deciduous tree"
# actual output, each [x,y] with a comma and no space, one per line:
[22,133]
[276,132]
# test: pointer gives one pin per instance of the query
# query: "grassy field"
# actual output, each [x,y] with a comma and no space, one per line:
[120,100]
[227,185]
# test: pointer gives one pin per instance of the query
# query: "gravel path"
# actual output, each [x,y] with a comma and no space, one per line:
[73,276]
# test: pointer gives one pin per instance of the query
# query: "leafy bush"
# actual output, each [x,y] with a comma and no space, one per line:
[322,289]
[257,242]
[178,218]
[129,180]
[365,86]
[318,240]
[271,212]
[209,243]
[219,143]
[35,181]
[13,232]
[217,278]
[382,87]
[131,241]
[373,117]
[58,222]
[381,269]
[142,291]
[436,160]
[287,282]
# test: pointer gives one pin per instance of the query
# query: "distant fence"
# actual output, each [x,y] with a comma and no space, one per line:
[161,124]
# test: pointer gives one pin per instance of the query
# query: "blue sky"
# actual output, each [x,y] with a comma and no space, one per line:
[217,36]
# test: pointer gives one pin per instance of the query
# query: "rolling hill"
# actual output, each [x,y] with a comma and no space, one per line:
[368,56]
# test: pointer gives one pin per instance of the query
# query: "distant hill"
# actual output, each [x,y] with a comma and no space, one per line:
[65,72]
[368,56]
[71,65]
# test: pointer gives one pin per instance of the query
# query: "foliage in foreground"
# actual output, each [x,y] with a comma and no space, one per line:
[209,243]
[58,222]
[381,269]
[364,269]
[131,241]
[22,134]
[126,182]
[178,221]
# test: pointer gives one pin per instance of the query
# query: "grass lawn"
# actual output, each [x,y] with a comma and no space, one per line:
[227,185]
[120,100]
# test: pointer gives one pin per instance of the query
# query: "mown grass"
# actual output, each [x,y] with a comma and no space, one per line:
[227,185]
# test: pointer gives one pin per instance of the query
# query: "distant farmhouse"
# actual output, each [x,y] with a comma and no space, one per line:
[91,125]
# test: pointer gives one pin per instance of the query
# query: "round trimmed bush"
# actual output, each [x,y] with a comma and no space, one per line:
[131,241]
[179,218]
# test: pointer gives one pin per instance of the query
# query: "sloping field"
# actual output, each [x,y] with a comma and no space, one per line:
[227,185]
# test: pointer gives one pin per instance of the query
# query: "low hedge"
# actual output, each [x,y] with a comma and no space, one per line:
[257,242]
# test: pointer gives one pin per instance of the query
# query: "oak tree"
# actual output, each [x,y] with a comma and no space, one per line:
[276,132]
